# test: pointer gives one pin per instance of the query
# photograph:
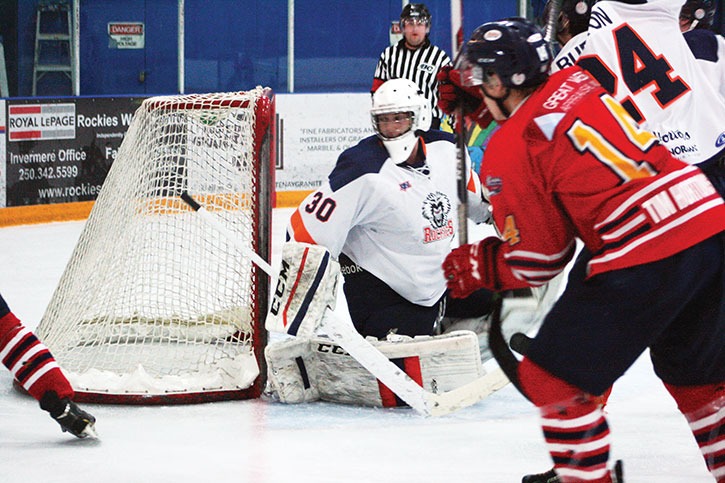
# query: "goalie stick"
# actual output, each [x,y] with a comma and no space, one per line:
[343,332]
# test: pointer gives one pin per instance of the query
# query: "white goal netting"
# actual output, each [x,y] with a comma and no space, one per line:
[153,305]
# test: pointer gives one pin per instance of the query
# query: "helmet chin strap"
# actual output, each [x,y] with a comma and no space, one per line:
[500,101]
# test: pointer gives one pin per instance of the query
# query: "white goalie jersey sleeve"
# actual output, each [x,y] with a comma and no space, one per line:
[396,222]
[637,52]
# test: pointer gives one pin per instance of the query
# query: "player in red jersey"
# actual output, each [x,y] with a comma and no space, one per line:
[35,369]
[569,162]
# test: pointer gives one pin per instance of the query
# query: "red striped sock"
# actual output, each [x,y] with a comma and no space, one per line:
[704,408]
[30,361]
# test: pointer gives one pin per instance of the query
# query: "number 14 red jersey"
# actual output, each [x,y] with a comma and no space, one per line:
[571,162]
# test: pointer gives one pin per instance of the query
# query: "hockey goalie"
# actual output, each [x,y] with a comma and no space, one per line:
[386,220]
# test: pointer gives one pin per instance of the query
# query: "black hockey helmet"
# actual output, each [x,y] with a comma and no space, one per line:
[700,11]
[576,11]
[417,11]
[513,48]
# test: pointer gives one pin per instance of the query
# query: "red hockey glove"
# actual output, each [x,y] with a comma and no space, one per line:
[471,267]
[452,93]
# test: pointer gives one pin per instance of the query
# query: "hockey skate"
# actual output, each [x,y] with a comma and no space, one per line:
[71,418]
[616,476]
[547,477]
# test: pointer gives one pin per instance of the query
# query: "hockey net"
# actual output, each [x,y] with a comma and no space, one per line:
[153,307]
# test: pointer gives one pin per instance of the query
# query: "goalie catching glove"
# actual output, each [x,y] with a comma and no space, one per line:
[469,267]
[452,94]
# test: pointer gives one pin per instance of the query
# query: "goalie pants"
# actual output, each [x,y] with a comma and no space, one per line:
[376,309]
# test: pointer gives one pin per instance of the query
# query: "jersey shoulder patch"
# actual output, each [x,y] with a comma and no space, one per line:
[703,44]
[366,157]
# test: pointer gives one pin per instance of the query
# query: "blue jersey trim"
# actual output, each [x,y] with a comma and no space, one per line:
[367,156]
[703,44]
[434,135]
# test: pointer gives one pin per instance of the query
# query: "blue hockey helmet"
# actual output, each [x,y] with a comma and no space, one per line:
[513,48]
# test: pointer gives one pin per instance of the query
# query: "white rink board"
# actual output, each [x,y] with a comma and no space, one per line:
[313,130]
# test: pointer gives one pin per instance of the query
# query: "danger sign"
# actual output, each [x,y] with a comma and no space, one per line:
[126,35]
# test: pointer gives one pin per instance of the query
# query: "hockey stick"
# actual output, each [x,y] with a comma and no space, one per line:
[550,31]
[343,332]
[460,127]
[211,219]
[506,359]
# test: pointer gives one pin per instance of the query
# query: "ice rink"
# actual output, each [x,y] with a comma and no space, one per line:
[496,441]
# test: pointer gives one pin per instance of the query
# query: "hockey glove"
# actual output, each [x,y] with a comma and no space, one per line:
[452,94]
[471,267]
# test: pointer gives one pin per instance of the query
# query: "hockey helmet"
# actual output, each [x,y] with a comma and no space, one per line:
[513,48]
[415,11]
[576,11]
[401,96]
[700,13]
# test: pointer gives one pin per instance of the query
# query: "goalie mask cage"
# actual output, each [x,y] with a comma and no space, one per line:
[154,307]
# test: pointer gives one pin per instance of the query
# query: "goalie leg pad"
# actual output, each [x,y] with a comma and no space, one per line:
[438,364]
[306,286]
[290,375]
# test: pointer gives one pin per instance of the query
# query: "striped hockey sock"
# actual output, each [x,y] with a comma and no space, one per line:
[704,408]
[708,426]
[577,435]
[574,426]
[30,361]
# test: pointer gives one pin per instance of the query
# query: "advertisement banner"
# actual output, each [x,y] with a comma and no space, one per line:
[313,130]
[3,153]
[60,150]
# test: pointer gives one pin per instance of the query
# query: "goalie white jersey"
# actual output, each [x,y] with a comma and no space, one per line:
[395,221]
[637,52]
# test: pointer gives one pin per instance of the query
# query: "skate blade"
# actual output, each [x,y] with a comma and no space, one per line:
[90,431]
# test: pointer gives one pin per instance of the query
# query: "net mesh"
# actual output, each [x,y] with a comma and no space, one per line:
[153,302]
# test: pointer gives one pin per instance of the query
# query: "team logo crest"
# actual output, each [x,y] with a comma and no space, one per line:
[436,208]
[493,186]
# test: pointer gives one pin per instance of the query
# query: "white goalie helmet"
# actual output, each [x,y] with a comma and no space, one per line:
[397,96]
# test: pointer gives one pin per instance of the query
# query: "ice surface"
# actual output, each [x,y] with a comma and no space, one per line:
[495,441]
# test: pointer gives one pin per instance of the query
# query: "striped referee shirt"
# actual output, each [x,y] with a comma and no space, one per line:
[420,66]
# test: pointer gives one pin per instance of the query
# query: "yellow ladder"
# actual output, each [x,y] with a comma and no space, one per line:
[54,51]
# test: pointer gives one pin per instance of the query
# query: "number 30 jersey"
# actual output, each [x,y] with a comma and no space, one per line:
[395,221]
[638,54]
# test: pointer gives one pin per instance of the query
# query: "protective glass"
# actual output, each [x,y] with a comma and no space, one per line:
[471,74]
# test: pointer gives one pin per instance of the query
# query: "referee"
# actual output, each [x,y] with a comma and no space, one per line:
[414,57]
